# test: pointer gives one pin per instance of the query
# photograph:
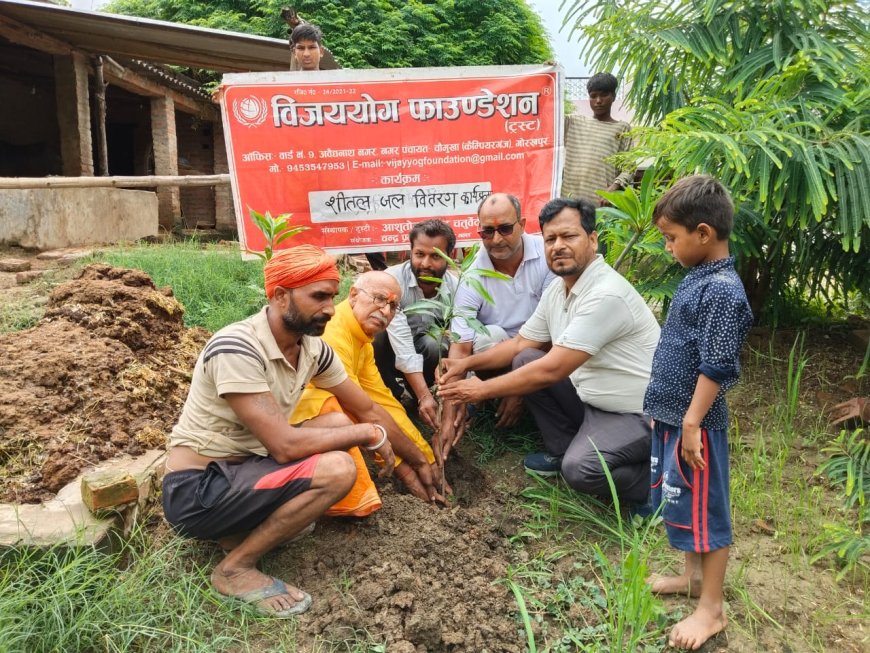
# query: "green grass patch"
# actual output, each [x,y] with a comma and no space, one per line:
[212,282]
[147,597]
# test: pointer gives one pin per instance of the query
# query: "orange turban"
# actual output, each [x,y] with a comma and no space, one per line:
[298,266]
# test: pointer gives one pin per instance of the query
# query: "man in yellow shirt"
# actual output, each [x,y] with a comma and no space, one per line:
[371,305]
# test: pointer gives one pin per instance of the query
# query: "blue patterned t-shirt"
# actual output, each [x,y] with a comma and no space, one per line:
[705,329]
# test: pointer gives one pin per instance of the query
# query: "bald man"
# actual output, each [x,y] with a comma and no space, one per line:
[371,305]
[237,471]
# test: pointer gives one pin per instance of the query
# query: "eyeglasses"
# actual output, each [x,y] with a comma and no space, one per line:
[381,301]
[503,230]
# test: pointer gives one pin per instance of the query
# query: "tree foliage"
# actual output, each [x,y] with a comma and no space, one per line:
[771,97]
[379,33]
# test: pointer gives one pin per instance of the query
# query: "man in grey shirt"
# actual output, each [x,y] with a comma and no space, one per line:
[407,349]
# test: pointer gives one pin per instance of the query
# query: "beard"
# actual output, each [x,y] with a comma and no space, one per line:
[295,322]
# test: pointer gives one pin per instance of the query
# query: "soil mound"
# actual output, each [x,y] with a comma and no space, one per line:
[414,576]
[105,372]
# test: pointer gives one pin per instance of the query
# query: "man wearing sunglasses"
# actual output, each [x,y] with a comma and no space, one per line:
[372,304]
[520,256]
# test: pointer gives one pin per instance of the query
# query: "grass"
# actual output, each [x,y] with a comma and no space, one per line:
[146,597]
[213,283]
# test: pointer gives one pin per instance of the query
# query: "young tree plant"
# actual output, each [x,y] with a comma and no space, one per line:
[443,309]
[275,230]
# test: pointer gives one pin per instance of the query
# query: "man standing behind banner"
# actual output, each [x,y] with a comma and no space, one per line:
[520,256]
[307,43]
[589,142]
[406,348]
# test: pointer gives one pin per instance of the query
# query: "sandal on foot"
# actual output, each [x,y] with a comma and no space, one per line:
[277,588]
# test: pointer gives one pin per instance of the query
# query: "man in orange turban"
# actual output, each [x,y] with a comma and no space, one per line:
[237,471]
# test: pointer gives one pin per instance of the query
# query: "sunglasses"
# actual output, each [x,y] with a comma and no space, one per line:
[503,230]
[380,301]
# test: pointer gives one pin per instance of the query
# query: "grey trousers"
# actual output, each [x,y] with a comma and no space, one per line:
[570,428]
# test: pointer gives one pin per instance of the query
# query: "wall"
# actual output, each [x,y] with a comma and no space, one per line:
[66,217]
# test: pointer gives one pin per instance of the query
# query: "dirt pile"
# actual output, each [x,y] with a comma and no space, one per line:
[414,576]
[105,372]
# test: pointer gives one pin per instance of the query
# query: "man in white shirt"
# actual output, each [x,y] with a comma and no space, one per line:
[520,256]
[406,348]
[587,391]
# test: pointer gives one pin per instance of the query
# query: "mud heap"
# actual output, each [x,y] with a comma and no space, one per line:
[105,372]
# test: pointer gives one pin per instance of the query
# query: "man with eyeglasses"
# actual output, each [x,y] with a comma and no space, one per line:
[520,256]
[371,305]
[406,349]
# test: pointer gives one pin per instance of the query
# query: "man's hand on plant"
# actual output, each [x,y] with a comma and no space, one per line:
[856,408]
[428,411]
[509,411]
[452,369]
[467,390]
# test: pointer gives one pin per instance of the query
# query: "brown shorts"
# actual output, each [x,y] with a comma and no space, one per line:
[227,498]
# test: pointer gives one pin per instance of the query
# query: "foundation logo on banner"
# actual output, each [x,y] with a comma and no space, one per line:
[250,111]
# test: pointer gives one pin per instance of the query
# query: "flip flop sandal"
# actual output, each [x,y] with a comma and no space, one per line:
[277,588]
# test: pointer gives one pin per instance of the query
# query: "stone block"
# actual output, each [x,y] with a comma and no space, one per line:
[54,218]
[108,489]
[66,520]
[14,265]
[22,278]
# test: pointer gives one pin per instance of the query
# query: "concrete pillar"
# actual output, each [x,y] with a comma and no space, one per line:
[165,159]
[224,215]
[73,115]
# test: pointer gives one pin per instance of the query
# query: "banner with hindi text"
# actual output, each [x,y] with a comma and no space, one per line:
[360,156]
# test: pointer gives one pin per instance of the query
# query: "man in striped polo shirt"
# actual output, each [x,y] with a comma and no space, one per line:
[590,141]
[237,471]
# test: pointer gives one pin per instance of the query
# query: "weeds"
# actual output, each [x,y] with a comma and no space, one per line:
[848,468]
[141,598]
[627,617]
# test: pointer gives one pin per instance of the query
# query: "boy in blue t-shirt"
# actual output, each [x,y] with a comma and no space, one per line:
[696,361]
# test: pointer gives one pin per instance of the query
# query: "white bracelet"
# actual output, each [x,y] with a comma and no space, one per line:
[381,441]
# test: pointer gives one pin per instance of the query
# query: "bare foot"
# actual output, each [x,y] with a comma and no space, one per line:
[697,628]
[230,542]
[240,583]
[674,585]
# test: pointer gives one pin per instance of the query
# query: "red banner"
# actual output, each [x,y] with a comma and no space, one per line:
[360,156]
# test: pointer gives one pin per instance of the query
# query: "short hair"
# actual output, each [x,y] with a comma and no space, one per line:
[603,83]
[555,206]
[695,200]
[511,198]
[306,32]
[434,229]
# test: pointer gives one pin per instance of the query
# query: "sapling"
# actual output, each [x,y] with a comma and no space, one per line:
[275,230]
[443,310]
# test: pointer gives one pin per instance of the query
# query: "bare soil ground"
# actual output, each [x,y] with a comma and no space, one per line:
[106,371]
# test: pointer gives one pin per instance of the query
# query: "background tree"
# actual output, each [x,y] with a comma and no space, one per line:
[771,97]
[379,33]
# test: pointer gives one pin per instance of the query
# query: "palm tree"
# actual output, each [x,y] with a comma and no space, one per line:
[771,97]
